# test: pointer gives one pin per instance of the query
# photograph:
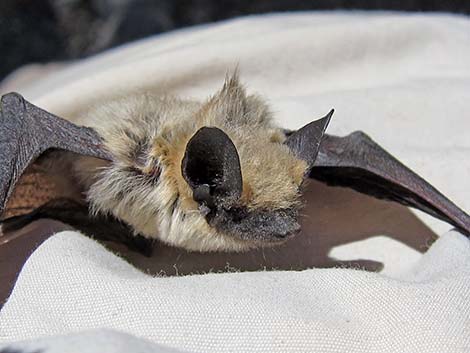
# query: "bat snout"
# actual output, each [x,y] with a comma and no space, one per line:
[288,233]
[264,226]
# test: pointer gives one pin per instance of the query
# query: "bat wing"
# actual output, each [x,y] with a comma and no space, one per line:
[358,162]
[27,131]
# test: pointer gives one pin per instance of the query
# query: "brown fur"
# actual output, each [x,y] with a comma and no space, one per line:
[144,186]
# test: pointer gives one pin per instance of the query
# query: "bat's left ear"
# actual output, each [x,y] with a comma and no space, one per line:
[305,142]
[211,167]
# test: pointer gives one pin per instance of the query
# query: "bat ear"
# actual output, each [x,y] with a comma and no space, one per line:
[211,167]
[305,142]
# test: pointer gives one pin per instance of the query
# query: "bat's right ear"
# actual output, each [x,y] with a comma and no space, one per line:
[305,142]
[211,167]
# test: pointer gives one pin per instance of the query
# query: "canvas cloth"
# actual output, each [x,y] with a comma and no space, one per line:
[93,341]
[71,284]
[404,79]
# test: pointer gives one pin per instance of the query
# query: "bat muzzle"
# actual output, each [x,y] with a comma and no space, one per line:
[256,225]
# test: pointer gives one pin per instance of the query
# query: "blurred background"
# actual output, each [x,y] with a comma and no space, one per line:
[35,31]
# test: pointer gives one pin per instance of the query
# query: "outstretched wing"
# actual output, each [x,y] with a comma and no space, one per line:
[27,131]
[358,162]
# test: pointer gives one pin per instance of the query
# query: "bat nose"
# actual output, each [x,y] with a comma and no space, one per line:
[288,233]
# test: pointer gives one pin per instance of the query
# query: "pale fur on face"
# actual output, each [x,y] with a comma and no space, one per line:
[144,185]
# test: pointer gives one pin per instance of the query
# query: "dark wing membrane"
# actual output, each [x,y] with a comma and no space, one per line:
[27,131]
[357,162]
[34,188]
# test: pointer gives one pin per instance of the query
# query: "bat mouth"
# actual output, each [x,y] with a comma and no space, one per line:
[264,226]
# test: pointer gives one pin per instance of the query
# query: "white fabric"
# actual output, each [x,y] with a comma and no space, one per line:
[71,284]
[95,341]
[404,79]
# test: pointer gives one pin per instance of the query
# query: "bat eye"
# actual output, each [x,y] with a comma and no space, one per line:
[211,167]
[140,155]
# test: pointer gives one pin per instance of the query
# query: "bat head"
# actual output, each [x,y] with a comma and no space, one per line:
[227,177]
[246,180]
[211,166]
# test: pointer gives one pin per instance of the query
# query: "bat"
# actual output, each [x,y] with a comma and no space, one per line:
[216,175]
